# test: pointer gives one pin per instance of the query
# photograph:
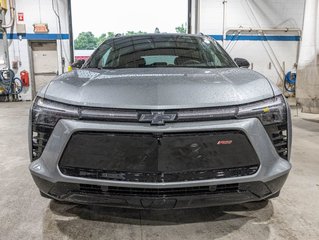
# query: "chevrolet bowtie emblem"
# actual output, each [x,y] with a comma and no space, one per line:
[157,118]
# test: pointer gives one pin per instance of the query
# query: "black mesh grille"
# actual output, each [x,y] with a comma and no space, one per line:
[40,137]
[279,137]
[172,157]
[155,192]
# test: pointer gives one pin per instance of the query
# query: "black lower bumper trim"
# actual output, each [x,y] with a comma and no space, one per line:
[188,197]
[160,177]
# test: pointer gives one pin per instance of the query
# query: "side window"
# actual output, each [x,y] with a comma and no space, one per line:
[211,56]
[216,60]
[104,58]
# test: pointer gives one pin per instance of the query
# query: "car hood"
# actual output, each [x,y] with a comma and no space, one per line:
[159,88]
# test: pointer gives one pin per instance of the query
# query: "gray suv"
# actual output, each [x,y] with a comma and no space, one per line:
[160,121]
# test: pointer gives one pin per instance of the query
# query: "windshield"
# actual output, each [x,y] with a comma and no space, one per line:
[160,51]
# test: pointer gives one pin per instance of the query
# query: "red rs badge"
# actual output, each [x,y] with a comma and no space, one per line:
[225,142]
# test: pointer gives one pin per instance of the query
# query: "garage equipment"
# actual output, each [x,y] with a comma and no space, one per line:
[10,86]
[290,82]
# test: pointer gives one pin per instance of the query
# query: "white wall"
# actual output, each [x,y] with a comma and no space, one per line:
[35,13]
[257,14]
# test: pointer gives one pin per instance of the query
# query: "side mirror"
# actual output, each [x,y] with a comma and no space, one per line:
[241,62]
[78,63]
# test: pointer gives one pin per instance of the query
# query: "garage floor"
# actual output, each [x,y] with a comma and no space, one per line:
[25,215]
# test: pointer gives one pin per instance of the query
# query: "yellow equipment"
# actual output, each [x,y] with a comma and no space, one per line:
[2,90]
[3,4]
[70,68]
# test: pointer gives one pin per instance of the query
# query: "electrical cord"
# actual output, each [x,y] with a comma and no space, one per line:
[290,82]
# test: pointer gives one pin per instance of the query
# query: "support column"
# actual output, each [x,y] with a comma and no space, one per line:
[307,89]
[70,32]
[197,16]
[189,17]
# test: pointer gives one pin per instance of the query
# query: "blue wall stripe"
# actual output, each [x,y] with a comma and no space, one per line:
[64,36]
[256,38]
[217,37]
[38,36]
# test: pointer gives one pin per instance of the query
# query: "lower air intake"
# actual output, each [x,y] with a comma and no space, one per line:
[151,192]
[279,138]
[40,137]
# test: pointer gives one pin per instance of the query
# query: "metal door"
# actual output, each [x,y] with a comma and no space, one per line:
[45,63]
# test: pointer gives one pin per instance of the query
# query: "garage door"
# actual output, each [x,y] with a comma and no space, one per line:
[45,62]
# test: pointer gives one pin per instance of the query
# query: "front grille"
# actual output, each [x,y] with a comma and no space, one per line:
[169,157]
[279,138]
[157,192]
[40,137]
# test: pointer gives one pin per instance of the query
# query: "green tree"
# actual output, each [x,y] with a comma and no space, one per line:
[110,35]
[101,39]
[86,41]
[181,29]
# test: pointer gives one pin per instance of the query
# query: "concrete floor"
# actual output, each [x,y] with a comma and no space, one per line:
[25,215]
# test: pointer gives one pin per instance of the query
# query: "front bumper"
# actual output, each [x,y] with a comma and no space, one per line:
[214,195]
[267,181]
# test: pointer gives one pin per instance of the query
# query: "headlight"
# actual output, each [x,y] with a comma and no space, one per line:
[45,115]
[48,113]
[269,111]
